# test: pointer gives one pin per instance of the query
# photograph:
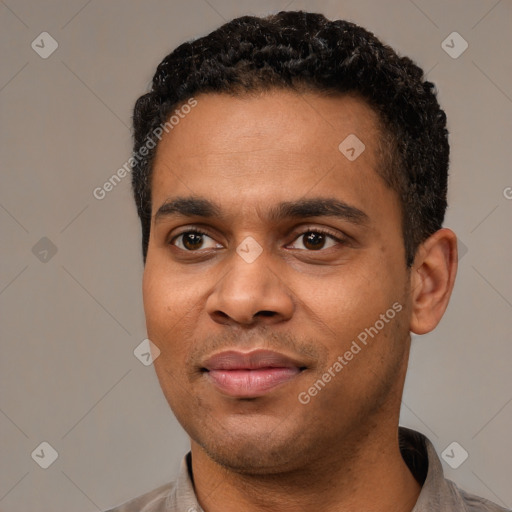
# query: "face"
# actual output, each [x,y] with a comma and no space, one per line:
[275,283]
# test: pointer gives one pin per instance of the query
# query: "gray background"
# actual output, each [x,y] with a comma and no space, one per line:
[70,321]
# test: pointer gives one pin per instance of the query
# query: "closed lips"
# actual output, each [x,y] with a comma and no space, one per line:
[251,374]
[234,360]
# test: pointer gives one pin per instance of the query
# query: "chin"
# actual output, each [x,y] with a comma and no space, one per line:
[253,457]
[262,446]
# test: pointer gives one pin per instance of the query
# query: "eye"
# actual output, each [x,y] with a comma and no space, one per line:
[316,239]
[193,240]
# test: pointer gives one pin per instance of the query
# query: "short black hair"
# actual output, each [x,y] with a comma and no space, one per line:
[305,52]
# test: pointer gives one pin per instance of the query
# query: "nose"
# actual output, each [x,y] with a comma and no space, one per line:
[250,293]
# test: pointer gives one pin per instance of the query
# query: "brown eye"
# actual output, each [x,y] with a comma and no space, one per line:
[315,240]
[193,240]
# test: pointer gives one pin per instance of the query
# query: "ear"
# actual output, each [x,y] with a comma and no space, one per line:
[432,278]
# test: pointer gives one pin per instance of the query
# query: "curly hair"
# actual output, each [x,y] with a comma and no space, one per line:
[305,52]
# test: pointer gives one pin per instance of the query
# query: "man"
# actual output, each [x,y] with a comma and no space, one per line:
[290,175]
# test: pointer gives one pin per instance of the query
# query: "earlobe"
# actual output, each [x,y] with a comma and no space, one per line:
[432,278]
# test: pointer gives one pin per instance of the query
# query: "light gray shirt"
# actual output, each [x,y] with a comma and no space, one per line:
[438,494]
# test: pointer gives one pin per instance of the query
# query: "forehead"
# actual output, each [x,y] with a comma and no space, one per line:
[266,120]
[269,146]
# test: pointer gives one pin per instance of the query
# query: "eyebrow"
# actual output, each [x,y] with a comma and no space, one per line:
[314,207]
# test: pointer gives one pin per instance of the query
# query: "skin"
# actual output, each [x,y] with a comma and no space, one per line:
[307,301]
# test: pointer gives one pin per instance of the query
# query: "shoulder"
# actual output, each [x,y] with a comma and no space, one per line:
[475,503]
[438,493]
[153,501]
[176,496]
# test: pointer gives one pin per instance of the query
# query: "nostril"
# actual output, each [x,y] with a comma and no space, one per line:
[220,317]
[266,313]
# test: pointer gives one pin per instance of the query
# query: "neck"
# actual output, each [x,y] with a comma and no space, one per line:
[365,472]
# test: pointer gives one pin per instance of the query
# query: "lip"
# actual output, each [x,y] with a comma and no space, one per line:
[250,374]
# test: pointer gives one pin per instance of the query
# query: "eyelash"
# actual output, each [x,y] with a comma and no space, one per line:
[336,238]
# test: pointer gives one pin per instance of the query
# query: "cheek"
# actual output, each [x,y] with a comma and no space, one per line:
[347,302]
[165,307]
[167,293]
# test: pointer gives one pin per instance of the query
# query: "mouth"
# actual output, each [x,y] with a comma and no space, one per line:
[250,374]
